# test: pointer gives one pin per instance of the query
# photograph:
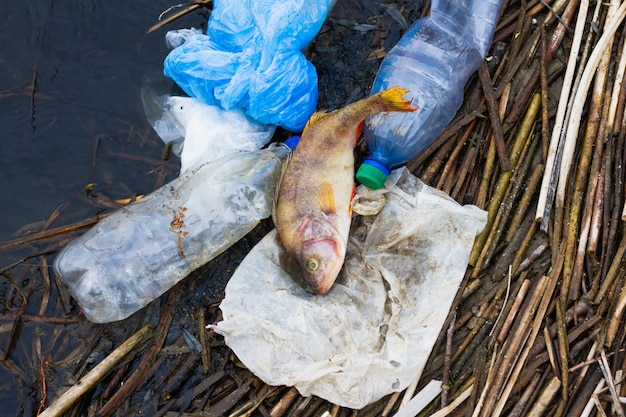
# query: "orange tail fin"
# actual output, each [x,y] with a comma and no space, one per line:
[393,100]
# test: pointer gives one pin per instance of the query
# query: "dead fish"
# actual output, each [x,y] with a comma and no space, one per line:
[312,211]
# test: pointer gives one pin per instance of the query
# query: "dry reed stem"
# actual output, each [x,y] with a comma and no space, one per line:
[559,122]
[616,318]
[524,202]
[503,182]
[550,351]
[409,391]
[51,233]
[526,398]
[393,398]
[555,42]
[545,103]
[468,163]
[447,173]
[578,102]
[503,362]
[149,361]
[519,265]
[515,188]
[196,5]
[612,273]
[420,401]
[444,412]
[496,126]
[583,168]
[249,407]
[517,303]
[590,203]
[548,287]
[445,382]
[483,190]
[539,409]
[284,403]
[563,345]
[591,404]
[606,371]
[89,381]
[597,211]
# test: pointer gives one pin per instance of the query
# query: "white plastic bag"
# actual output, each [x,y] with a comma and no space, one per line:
[372,334]
[206,132]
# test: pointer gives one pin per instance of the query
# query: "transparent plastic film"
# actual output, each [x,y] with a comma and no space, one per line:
[373,332]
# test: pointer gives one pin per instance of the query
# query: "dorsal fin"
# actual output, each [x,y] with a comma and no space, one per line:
[327,198]
[316,117]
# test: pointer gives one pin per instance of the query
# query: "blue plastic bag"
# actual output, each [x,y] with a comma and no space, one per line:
[251,59]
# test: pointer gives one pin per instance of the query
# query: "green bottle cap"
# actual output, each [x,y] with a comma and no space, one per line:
[372,174]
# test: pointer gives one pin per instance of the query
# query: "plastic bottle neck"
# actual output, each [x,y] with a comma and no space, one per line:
[372,174]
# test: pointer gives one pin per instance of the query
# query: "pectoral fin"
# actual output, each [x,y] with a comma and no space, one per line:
[352,198]
[327,198]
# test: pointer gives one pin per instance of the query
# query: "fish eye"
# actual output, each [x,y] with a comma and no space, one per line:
[312,264]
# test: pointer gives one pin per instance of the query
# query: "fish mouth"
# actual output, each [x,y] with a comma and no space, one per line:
[323,287]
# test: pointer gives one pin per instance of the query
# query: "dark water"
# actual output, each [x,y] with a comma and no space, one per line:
[86,60]
[71,74]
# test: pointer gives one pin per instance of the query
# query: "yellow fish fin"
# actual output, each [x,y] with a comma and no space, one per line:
[352,198]
[393,99]
[316,117]
[327,198]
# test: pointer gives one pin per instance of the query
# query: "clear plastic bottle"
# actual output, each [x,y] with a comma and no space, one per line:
[434,59]
[140,251]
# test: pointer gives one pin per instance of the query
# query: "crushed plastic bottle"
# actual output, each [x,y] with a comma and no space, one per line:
[134,255]
[251,59]
[434,59]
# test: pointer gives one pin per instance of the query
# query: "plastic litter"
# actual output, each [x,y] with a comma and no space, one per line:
[250,59]
[434,59]
[372,334]
[225,188]
[208,132]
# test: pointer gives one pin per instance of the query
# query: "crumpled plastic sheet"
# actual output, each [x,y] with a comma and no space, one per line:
[372,334]
[251,59]
[202,132]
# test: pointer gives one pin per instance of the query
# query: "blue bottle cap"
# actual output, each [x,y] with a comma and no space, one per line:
[372,174]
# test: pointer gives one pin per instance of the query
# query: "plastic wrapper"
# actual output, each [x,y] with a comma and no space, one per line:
[372,334]
[250,59]
[204,132]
